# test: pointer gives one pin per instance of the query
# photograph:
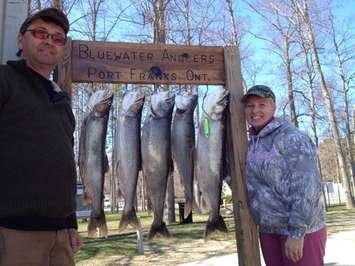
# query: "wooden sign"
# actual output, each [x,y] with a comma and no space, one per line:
[164,64]
[110,62]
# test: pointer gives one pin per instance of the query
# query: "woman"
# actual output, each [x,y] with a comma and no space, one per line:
[284,185]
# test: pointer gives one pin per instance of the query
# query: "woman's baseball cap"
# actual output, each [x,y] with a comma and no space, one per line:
[259,90]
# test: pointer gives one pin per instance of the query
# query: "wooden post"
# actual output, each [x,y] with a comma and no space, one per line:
[63,74]
[246,232]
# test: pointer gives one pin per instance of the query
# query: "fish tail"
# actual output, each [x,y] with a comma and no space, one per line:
[160,229]
[129,218]
[214,226]
[97,226]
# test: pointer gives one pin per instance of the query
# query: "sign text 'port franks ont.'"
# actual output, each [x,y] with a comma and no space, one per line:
[146,63]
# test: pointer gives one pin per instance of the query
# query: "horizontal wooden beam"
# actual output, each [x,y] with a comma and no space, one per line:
[109,62]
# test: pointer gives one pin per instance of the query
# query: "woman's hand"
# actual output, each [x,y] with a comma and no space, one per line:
[294,249]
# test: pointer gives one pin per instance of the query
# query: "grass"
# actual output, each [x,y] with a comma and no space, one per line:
[185,245]
[340,219]
[120,248]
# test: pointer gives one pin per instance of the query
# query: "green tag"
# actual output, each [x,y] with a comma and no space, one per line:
[206,126]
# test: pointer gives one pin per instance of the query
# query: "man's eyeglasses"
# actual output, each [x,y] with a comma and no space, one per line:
[58,39]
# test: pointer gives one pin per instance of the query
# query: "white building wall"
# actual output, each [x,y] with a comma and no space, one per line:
[12,14]
[334,193]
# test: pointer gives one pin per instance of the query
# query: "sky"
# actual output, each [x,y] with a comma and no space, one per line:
[270,71]
[262,55]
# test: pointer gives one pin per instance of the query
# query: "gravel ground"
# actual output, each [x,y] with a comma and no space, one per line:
[340,251]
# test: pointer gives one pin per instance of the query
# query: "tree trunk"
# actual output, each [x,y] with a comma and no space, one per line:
[170,200]
[57,4]
[159,23]
[187,16]
[328,105]
[291,98]
[235,39]
[159,30]
[315,133]
[235,35]
[33,5]
[345,91]
[312,108]
[113,188]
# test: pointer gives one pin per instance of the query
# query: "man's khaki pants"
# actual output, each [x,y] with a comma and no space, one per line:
[35,248]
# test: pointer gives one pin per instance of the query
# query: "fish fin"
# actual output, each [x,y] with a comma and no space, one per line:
[97,226]
[228,155]
[82,152]
[106,164]
[86,199]
[187,209]
[160,229]
[148,201]
[129,218]
[213,227]
[116,167]
[140,160]
[171,165]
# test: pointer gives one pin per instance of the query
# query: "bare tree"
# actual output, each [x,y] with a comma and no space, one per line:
[159,36]
[345,55]
[235,35]
[34,5]
[98,18]
[276,13]
[57,4]
[310,77]
[328,160]
[159,21]
[301,10]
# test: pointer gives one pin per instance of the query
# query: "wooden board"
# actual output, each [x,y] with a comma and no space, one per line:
[110,62]
[246,231]
[129,63]
[62,74]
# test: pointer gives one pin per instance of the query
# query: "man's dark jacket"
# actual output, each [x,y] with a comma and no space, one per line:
[37,167]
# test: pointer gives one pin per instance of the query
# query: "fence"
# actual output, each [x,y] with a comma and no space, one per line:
[334,194]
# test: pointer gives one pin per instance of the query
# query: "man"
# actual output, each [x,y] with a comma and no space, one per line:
[37,170]
[284,185]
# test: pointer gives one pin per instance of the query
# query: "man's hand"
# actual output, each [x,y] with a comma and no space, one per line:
[75,240]
[294,249]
